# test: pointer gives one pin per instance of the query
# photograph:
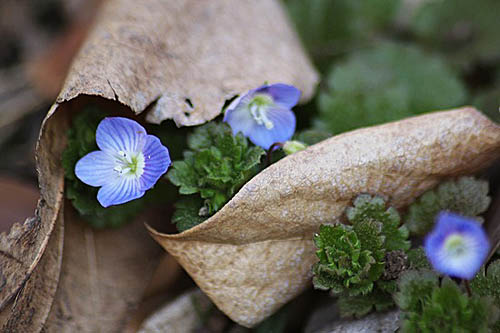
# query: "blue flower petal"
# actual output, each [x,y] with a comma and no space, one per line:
[96,168]
[475,243]
[240,119]
[284,95]
[283,129]
[120,134]
[121,190]
[156,159]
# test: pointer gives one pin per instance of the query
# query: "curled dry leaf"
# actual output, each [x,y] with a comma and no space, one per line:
[22,248]
[184,59]
[37,294]
[256,253]
[103,277]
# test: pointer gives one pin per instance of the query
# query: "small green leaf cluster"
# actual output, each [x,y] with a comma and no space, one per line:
[417,259]
[187,213]
[344,264]
[81,141]
[360,305]
[386,83]
[467,196]
[487,283]
[215,166]
[428,306]
[367,208]
[353,258]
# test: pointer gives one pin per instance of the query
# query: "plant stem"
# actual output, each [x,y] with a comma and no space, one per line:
[467,287]
[270,151]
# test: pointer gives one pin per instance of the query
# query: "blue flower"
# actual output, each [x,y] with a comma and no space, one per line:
[263,114]
[457,246]
[128,163]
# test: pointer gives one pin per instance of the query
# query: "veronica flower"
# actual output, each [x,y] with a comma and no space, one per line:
[263,114]
[457,246]
[128,163]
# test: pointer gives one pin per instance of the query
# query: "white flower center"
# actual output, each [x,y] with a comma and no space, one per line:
[130,165]
[258,109]
[455,245]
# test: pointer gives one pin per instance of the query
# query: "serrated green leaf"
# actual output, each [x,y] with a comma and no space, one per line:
[413,286]
[361,305]
[216,165]
[187,213]
[345,265]
[467,196]
[429,307]
[417,259]
[368,208]
[386,83]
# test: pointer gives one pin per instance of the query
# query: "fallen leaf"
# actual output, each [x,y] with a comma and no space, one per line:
[103,277]
[17,200]
[22,248]
[187,57]
[32,304]
[256,253]
[181,58]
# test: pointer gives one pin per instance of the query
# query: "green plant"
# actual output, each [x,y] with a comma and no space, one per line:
[428,306]
[466,195]
[216,165]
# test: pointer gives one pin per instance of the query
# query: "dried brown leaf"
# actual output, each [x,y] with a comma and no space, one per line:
[22,248]
[187,56]
[103,277]
[32,304]
[182,57]
[256,253]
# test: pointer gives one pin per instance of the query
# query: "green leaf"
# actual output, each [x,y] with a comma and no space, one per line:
[345,264]
[429,307]
[366,208]
[467,196]
[187,213]
[215,167]
[386,83]
[413,287]
[417,259]
[466,31]
[352,258]
[487,283]
[311,136]
[329,28]
[361,305]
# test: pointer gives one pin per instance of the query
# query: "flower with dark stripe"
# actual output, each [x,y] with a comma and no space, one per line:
[264,114]
[128,163]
